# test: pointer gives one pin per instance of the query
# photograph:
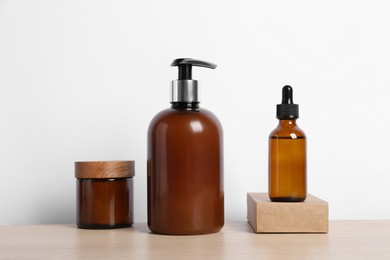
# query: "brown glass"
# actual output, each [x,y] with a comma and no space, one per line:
[287,163]
[185,172]
[104,203]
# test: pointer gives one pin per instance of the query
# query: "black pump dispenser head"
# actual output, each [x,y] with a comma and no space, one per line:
[185,66]
[287,110]
[185,89]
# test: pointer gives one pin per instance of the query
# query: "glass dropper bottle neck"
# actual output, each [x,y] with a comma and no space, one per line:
[287,122]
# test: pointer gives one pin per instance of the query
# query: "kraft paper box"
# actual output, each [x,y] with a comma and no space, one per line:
[310,216]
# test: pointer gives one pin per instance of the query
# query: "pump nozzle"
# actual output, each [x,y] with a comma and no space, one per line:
[287,110]
[185,66]
[185,89]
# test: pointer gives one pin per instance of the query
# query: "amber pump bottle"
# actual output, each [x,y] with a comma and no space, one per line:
[287,154]
[185,162]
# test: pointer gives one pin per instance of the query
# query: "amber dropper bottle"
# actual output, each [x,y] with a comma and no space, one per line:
[287,154]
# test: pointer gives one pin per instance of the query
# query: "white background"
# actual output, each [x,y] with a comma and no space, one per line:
[81,80]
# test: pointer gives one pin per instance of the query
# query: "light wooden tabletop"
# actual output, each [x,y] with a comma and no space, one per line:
[345,240]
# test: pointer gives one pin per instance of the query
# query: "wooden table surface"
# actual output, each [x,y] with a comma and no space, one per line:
[345,240]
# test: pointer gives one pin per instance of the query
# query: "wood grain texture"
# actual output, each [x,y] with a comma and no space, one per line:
[345,240]
[104,169]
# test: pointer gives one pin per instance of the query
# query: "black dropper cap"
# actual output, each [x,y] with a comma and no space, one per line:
[287,110]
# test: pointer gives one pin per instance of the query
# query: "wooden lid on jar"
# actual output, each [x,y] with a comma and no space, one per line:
[104,169]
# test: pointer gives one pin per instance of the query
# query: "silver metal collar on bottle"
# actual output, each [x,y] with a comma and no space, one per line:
[184,91]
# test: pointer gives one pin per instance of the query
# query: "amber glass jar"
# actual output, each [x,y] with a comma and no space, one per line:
[185,171]
[104,194]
